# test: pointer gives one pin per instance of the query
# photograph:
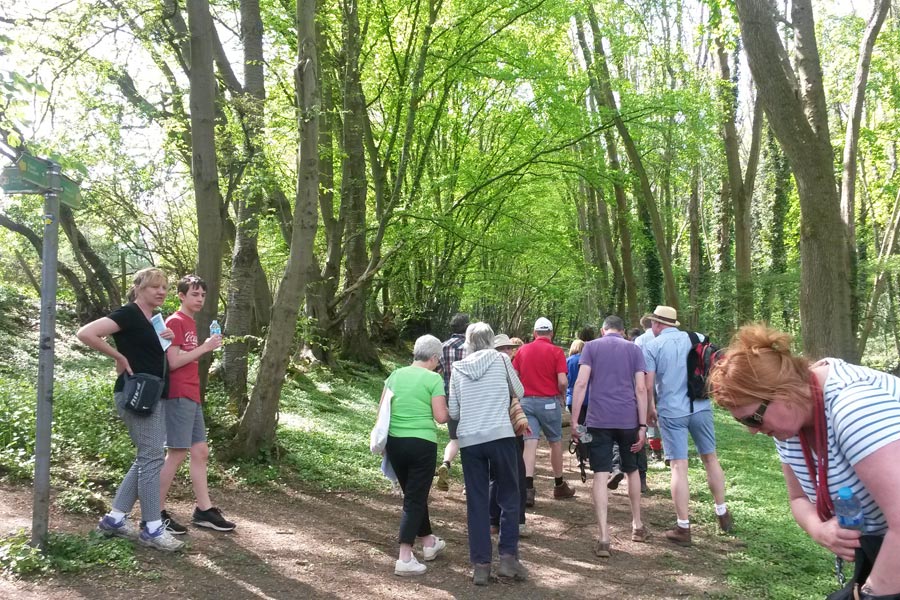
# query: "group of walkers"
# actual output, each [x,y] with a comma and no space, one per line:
[836,426]
[615,390]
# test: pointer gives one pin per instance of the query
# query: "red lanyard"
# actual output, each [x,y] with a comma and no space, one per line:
[818,470]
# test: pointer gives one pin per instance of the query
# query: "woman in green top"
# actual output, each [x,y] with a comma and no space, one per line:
[416,394]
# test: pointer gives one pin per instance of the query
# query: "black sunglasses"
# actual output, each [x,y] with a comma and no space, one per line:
[756,419]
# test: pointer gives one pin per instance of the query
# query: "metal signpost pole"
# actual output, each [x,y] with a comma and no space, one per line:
[44,413]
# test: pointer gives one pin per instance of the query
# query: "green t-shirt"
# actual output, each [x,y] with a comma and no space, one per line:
[413,389]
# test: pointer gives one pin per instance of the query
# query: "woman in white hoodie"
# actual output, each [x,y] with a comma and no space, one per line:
[480,389]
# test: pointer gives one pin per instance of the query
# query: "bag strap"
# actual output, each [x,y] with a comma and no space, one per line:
[695,339]
[509,385]
[692,353]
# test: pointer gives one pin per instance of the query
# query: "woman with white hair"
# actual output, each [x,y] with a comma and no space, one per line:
[480,389]
[416,394]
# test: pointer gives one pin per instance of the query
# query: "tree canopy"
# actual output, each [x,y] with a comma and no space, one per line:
[347,174]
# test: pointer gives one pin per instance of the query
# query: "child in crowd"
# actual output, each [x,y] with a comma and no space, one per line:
[185,428]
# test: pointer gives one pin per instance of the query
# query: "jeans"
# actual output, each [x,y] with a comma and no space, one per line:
[495,507]
[477,461]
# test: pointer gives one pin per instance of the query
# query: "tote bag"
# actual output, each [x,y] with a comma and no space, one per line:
[378,437]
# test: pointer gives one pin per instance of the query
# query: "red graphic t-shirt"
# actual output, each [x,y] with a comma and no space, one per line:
[184,382]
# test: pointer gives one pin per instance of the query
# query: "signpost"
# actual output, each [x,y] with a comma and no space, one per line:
[33,175]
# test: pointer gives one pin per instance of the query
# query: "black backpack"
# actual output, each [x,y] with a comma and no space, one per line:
[700,360]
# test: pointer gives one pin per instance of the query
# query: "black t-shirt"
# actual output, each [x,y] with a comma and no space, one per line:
[138,342]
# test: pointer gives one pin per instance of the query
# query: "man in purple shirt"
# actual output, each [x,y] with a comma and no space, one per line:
[617,413]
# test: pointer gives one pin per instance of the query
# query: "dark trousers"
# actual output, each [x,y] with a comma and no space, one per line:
[413,462]
[477,461]
[495,507]
[641,459]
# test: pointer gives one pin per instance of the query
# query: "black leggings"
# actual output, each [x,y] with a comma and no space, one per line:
[413,461]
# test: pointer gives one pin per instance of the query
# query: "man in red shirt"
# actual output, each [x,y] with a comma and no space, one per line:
[185,428]
[542,369]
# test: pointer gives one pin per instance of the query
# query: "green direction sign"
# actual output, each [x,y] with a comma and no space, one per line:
[12,182]
[34,170]
[71,192]
[30,176]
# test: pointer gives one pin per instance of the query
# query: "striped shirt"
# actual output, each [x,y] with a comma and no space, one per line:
[480,388]
[862,415]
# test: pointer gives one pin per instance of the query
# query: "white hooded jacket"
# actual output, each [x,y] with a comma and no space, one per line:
[481,385]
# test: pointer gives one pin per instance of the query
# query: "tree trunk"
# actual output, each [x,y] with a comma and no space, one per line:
[851,145]
[615,167]
[256,429]
[725,279]
[609,246]
[740,195]
[637,163]
[356,345]
[796,110]
[323,281]
[694,219]
[204,167]
[242,286]
[624,229]
[97,275]
[888,246]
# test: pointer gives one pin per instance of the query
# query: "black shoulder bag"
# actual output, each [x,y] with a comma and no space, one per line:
[143,390]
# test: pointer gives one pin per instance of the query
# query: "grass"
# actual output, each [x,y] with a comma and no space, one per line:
[779,561]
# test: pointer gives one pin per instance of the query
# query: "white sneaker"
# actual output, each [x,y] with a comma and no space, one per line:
[409,568]
[432,553]
[124,528]
[160,539]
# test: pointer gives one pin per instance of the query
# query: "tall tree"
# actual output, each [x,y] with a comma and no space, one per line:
[851,147]
[256,429]
[740,184]
[646,194]
[245,267]
[207,197]
[355,341]
[612,152]
[796,109]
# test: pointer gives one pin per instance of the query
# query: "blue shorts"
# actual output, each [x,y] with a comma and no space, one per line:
[675,434]
[184,423]
[544,414]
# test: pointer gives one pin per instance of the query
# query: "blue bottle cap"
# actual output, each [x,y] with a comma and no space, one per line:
[845,493]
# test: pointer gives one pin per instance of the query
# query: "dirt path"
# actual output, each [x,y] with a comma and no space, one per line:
[301,544]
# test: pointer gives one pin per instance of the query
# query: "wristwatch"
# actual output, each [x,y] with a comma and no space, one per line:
[644,425]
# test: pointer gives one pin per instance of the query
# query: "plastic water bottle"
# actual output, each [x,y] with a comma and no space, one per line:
[848,509]
[215,329]
[583,434]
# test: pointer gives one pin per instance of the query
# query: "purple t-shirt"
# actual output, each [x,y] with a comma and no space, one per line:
[613,361]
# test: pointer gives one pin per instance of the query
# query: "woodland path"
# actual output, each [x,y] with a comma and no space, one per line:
[297,543]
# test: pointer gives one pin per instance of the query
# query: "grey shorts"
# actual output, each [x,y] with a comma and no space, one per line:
[184,423]
[544,414]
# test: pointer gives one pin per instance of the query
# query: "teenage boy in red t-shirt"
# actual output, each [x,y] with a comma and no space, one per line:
[185,428]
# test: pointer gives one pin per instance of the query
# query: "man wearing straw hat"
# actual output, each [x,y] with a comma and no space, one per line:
[666,359]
